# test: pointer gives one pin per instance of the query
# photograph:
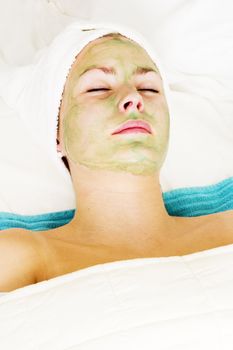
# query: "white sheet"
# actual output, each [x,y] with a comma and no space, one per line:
[178,303]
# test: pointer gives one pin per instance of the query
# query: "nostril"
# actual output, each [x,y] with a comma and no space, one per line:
[127,104]
[139,106]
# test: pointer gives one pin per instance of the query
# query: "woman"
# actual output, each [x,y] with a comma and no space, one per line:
[115,175]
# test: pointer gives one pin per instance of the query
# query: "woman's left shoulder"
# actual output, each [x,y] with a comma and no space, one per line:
[221,224]
[226,219]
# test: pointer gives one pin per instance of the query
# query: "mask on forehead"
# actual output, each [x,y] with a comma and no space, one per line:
[39,100]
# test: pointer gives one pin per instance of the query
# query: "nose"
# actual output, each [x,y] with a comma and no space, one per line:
[132,102]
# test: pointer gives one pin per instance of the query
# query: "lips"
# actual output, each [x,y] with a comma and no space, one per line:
[134,124]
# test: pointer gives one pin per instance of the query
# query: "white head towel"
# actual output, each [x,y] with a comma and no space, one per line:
[35,91]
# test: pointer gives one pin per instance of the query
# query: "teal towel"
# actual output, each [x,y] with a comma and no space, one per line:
[191,201]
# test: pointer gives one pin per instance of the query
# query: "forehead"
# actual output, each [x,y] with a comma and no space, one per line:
[117,49]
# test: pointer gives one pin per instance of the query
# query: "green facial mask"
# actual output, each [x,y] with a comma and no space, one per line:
[91,116]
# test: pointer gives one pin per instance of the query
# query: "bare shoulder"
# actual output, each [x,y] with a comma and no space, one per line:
[19,259]
[217,227]
[219,224]
[225,218]
[222,220]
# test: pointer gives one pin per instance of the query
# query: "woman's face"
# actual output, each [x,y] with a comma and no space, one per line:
[97,101]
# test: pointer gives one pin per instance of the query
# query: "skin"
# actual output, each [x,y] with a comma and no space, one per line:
[116,177]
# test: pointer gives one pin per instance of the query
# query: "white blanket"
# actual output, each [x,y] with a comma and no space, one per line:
[178,303]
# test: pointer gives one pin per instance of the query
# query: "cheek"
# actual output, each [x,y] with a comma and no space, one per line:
[71,127]
[165,115]
[162,119]
[96,113]
[159,108]
[84,120]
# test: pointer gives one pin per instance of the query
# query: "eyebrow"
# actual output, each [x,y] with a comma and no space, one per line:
[111,71]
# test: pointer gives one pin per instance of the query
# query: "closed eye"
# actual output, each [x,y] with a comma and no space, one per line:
[151,90]
[98,89]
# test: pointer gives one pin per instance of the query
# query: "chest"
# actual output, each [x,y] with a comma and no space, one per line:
[191,235]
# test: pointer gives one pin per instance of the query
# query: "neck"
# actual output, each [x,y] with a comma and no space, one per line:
[119,210]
